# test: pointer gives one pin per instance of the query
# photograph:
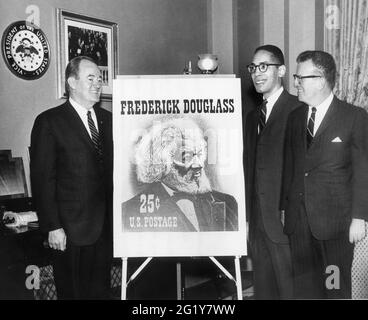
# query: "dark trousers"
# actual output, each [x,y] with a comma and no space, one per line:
[322,268]
[83,272]
[271,263]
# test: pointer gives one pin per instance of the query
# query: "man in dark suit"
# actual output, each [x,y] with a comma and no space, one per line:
[325,181]
[170,160]
[264,142]
[71,174]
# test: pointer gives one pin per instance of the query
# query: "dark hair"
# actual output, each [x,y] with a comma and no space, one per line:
[72,70]
[276,52]
[323,61]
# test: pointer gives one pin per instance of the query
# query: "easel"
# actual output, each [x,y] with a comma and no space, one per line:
[185,244]
[125,282]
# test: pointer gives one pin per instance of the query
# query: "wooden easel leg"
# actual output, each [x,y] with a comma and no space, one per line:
[238,278]
[178,281]
[124,278]
[124,275]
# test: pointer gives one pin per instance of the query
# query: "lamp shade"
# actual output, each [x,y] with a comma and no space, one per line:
[207,62]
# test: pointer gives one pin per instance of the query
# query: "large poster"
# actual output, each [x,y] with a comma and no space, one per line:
[178,173]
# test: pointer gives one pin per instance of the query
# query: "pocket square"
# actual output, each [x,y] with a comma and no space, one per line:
[337,139]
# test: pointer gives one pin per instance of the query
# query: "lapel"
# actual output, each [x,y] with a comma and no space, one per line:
[277,108]
[328,119]
[99,118]
[77,125]
[101,124]
[253,125]
[302,118]
[314,151]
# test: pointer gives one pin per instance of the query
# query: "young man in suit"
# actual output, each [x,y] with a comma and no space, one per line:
[71,174]
[325,181]
[264,142]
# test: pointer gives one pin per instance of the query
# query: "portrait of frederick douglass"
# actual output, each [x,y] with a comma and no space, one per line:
[170,161]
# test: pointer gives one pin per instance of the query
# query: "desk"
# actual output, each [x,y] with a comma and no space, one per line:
[19,248]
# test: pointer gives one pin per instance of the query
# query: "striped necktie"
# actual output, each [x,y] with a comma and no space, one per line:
[262,116]
[95,135]
[310,127]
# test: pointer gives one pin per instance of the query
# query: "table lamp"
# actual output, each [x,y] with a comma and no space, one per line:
[207,63]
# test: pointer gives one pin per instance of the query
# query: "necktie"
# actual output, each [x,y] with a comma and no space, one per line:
[95,135]
[310,127]
[262,116]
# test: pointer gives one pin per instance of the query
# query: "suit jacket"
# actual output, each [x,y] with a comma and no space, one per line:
[263,166]
[155,210]
[71,187]
[331,178]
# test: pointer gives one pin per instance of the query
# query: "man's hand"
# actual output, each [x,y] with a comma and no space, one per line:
[57,239]
[357,230]
[282,217]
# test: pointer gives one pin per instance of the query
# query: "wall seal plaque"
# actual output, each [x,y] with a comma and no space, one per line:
[26,50]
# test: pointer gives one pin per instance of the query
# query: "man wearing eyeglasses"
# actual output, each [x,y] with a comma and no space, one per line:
[264,139]
[325,189]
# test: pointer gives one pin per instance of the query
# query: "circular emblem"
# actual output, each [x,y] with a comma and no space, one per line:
[26,50]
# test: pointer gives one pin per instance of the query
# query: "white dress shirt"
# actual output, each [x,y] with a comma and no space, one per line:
[271,100]
[82,112]
[320,113]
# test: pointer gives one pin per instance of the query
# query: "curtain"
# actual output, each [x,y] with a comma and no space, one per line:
[346,38]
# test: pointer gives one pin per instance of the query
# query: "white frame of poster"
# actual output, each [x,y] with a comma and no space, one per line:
[174,244]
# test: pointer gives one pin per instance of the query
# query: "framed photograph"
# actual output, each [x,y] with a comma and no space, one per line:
[96,38]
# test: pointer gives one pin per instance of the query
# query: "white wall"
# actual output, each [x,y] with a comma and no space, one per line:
[221,35]
[301,32]
[290,25]
[273,22]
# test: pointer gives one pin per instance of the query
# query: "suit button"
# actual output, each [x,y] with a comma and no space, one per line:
[306,174]
[301,194]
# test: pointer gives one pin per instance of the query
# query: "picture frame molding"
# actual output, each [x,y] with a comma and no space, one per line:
[61,16]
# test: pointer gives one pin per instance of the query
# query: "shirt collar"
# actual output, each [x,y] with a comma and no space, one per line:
[323,106]
[82,111]
[271,100]
[168,190]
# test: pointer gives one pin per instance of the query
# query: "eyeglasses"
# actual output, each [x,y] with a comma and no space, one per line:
[262,67]
[300,78]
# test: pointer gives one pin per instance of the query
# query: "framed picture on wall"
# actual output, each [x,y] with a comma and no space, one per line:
[79,35]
